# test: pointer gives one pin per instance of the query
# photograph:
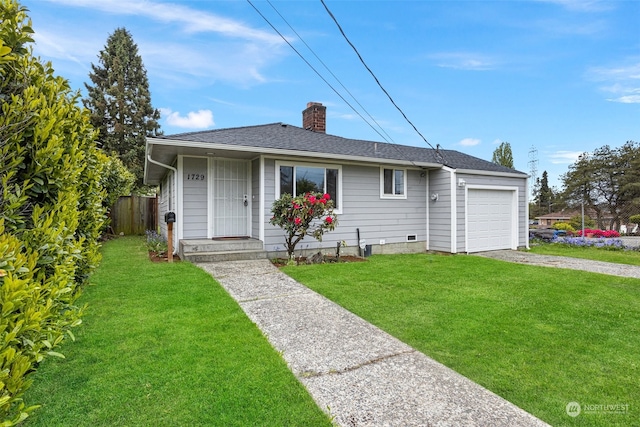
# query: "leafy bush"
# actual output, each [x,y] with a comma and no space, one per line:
[563,226]
[598,233]
[635,219]
[50,210]
[576,222]
[307,215]
[609,244]
[155,242]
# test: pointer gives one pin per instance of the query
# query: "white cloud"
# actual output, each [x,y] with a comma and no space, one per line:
[469,142]
[564,157]
[464,61]
[496,142]
[200,119]
[192,20]
[622,81]
[582,5]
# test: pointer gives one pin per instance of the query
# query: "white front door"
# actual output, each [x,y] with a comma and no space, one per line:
[230,197]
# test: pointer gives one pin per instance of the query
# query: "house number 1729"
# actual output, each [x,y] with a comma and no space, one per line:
[195,177]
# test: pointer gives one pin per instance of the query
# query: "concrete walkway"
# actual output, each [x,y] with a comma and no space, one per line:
[359,374]
[522,257]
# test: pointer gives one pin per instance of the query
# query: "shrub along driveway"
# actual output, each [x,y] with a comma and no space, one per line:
[539,337]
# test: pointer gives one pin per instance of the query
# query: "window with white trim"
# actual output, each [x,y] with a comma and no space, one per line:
[297,179]
[393,183]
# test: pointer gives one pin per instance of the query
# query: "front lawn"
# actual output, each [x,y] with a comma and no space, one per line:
[597,254]
[165,345]
[539,337]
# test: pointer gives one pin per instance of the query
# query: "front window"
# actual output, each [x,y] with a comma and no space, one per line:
[300,179]
[393,183]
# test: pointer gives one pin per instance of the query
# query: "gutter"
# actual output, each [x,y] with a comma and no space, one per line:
[175,181]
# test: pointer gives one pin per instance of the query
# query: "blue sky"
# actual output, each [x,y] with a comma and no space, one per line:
[560,76]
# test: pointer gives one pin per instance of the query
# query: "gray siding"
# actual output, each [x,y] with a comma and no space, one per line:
[440,211]
[256,198]
[497,181]
[378,219]
[166,203]
[194,199]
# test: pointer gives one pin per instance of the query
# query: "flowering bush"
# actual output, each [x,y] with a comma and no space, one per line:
[563,226]
[155,242]
[599,233]
[610,244]
[307,215]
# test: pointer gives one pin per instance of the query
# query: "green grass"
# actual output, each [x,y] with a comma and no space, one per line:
[596,254]
[165,345]
[539,337]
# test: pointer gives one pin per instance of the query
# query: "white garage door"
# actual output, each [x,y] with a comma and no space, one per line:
[490,220]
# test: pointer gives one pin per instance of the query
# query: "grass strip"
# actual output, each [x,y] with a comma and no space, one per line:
[628,257]
[165,345]
[539,337]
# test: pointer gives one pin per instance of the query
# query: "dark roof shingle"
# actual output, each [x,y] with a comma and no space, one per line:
[287,137]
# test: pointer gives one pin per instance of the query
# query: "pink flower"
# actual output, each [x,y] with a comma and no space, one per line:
[328,220]
[296,206]
[312,198]
[326,196]
[297,221]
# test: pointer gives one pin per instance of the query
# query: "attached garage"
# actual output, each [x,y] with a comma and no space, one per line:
[491,219]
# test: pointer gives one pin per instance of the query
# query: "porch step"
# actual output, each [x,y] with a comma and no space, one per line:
[206,250]
[201,257]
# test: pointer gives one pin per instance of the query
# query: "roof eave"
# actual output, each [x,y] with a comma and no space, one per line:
[212,146]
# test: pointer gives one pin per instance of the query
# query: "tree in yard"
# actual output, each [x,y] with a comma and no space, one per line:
[503,155]
[308,215]
[120,102]
[608,181]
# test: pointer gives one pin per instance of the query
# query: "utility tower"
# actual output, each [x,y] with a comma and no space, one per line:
[533,169]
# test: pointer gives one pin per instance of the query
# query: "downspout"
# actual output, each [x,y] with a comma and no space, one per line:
[175,178]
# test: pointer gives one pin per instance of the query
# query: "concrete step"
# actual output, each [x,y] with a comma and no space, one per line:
[202,257]
[206,245]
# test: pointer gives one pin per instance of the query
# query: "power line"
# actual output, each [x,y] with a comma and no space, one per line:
[395,146]
[314,70]
[374,76]
[331,72]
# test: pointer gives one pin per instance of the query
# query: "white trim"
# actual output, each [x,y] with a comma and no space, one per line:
[210,183]
[514,210]
[526,213]
[180,198]
[294,164]
[262,200]
[454,211]
[384,195]
[491,173]
[426,198]
[249,199]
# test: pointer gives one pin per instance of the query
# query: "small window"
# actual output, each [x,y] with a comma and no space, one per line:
[393,183]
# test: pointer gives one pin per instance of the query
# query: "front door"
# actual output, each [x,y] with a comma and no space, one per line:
[230,198]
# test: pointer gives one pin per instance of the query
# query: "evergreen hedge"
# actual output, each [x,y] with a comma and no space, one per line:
[51,210]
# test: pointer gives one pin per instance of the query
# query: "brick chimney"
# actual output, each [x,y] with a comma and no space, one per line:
[314,117]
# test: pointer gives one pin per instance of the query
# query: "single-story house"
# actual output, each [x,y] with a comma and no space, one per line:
[222,183]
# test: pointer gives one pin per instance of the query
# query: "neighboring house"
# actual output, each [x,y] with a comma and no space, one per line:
[222,183]
[547,220]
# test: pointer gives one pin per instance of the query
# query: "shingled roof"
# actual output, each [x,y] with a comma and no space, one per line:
[281,136]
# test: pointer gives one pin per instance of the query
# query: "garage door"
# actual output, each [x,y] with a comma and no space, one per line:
[490,220]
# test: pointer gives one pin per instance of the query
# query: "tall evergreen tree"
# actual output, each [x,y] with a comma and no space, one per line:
[503,155]
[120,102]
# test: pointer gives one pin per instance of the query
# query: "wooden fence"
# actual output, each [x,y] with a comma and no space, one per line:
[134,215]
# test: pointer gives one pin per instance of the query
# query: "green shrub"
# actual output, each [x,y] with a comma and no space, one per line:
[50,210]
[563,226]
[635,219]
[576,222]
